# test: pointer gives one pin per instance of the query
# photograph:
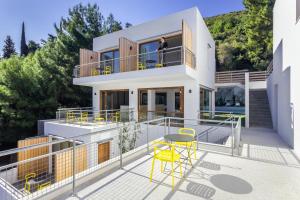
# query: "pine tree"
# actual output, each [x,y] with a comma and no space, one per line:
[9,47]
[24,47]
[33,46]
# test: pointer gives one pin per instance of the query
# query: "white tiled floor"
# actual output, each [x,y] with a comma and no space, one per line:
[266,170]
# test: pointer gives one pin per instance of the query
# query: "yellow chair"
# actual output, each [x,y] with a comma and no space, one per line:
[94,72]
[99,118]
[116,117]
[158,65]
[83,117]
[107,70]
[141,66]
[27,184]
[70,117]
[166,155]
[190,132]
[44,185]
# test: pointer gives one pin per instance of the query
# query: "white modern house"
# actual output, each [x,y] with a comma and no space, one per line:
[167,82]
[142,94]
[283,84]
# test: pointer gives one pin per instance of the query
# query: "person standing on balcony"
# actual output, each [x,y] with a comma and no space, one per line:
[163,45]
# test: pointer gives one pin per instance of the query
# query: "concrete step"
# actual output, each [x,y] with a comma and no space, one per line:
[259,110]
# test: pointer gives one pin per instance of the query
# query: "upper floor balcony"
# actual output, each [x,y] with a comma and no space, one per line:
[112,63]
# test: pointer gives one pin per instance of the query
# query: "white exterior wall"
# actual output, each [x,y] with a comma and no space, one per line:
[176,76]
[285,108]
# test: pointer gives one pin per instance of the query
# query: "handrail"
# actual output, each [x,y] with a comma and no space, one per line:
[165,57]
[130,56]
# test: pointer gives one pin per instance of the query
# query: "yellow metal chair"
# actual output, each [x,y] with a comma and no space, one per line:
[166,155]
[116,116]
[99,118]
[44,185]
[83,117]
[27,184]
[107,70]
[70,117]
[158,65]
[94,72]
[141,66]
[190,132]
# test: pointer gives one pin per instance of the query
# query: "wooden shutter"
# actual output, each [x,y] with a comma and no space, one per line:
[63,162]
[38,166]
[86,58]
[187,43]
[103,152]
[128,55]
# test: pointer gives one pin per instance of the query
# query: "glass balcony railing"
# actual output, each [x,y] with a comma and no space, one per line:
[150,60]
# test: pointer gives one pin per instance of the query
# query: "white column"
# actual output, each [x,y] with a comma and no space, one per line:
[170,100]
[50,157]
[191,101]
[133,101]
[96,99]
[151,103]
[247,99]
[213,102]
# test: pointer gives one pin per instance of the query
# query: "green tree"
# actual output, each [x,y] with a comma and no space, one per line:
[33,87]
[33,46]
[111,25]
[258,23]
[24,47]
[9,47]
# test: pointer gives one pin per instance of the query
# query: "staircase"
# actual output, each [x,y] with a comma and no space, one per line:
[260,115]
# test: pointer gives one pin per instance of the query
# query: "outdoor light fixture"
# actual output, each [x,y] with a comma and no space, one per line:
[131,92]
[95,93]
[190,91]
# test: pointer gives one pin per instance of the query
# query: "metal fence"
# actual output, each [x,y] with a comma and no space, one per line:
[45,167]
[89,115]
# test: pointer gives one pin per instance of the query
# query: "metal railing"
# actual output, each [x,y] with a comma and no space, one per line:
[238,76]
[58,162]
[155,59]
[92,115]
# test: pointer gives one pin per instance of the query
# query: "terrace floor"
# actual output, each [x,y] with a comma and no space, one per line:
[267,169]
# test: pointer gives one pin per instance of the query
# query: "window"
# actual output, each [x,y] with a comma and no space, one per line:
[148,56]
[111,58]
[172,56]
[297,10]
[161,98]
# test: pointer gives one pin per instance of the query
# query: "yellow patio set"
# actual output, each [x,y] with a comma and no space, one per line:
[108,69]
[167,151]
[83,117]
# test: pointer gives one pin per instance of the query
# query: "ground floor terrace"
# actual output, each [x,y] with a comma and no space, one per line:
[230,163]
[265,169]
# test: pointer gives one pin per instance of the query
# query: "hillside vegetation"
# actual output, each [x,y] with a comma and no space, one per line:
[244,39]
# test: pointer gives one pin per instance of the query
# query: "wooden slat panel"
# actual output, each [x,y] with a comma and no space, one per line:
[128,55]
[36,166]
[63,163]
[103,152]
[181,99]
[86,57]
[187,43]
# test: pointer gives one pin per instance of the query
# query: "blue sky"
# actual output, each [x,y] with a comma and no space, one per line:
[40,15]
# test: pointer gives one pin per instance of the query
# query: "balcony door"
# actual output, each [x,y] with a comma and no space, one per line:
[111,58]
[114,99]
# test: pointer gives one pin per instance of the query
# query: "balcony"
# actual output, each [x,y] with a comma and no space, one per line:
[224,167]
[151,60]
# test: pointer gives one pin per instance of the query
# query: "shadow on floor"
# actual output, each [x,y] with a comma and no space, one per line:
[200,190]
[231,184]
[210,165]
